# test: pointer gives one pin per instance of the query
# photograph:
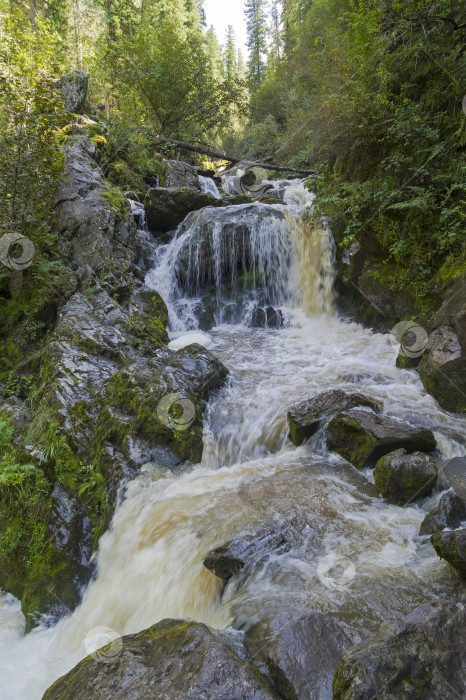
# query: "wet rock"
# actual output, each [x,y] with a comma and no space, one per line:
[167,207]
[306,417]
[362,437]
[303,656]
[455,474]
[449,513]
[274,317]
[73,87]
[451,546]
[179,174]
[443,369]
[258,318]
[402,478]
[229,559]
[173,660]
[422,656]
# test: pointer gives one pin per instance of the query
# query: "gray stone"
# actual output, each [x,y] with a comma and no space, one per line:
[73,87]
[180,174]
[362,437]
[306,417]
[229,559]
[455,473]
[449,513]
[422,656]
[402,478]
[173,660]
[303,656]
[443,369]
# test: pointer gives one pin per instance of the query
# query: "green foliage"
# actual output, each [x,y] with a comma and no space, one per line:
[369,94]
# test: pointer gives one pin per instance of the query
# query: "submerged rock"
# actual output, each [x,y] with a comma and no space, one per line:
[422,656]
[363,438]
[443,369]
[229,559]
[305,418]
[174,660]
[303,655]
[401,477]
[451,546]
[450,512]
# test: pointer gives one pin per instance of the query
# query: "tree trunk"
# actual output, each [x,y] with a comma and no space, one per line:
[234,161]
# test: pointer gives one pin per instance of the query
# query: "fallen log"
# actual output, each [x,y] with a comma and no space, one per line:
[230,159]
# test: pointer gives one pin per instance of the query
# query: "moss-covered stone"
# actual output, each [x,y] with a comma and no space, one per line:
[362,437]
[173,659]
[402,478]
[451,546]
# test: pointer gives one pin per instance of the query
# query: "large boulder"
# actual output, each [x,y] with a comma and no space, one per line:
[451,546]
[176,173]
[305,418]
[73,87]
[362,437]
[423,656]
[449,513]
[302,656]
[167,207]
[443,369]
[229,559]
[402,478]
[173,660]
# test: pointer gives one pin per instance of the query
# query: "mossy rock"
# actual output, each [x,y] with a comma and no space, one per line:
[451,546]
[173,659]
[362,437]
[403,478]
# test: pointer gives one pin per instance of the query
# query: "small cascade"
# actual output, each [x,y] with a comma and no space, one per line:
[208,186]
[250,264]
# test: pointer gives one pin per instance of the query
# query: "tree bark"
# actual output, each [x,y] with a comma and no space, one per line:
[234,161]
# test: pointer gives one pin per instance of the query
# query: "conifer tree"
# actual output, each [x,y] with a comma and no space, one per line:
[256,24]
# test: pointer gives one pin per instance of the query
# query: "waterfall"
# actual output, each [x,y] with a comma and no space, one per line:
[244,260]
[208,186]
[235,261]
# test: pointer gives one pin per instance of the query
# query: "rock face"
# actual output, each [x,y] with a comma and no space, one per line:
[443,369]
[303,656]
[116,395]
[450,512]
[231,558]
[306,417]
[451,546]
[73,87]
[180,174]
[363,438]
[422,656]
[401,477]
[174,660]
[167,207]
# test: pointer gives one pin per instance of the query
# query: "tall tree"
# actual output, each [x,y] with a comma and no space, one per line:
[214,54]
[229,54]
[256,24]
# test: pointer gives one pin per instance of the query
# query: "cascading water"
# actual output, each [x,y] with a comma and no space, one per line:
[251,477]
[208,186]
